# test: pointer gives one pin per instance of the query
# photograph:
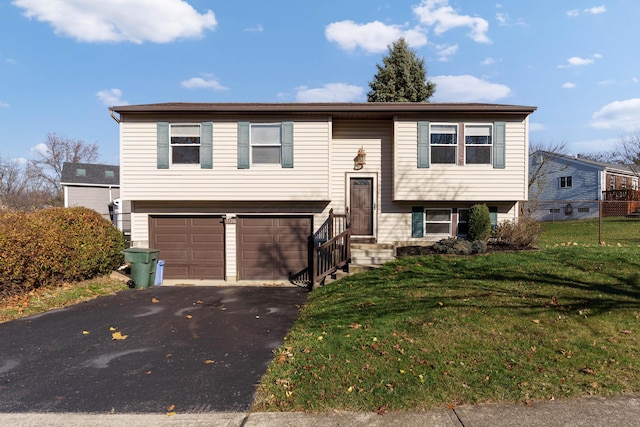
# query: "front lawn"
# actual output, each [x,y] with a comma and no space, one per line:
[434,331]
[43,299]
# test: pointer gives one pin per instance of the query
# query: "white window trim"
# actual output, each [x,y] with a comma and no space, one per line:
[450,222]
[171,145]
[465,145]
[565,181]
[264,165]
[455,146]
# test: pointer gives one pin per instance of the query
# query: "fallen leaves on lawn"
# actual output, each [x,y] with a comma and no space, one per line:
[382,409]
[208,362]
[587,370]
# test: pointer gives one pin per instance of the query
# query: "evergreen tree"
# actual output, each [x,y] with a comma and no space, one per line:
[401,78]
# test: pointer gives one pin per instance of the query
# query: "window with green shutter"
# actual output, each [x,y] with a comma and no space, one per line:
[265,144]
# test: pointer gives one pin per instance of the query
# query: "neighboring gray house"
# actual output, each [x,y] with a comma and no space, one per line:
[569,187]
[97,187]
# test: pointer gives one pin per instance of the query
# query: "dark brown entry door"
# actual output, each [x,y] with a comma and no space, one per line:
[361,206]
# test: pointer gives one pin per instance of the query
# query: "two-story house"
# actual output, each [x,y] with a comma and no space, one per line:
[234,191]
[567,187]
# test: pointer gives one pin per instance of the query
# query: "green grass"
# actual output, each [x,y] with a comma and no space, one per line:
[43,299]
[614,231]
[433,331]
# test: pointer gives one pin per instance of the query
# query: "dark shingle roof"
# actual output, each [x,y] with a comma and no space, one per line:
[90,174]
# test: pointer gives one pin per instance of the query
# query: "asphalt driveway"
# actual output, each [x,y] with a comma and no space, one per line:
[196,348]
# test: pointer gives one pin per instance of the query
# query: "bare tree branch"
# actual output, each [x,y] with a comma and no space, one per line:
[48,164]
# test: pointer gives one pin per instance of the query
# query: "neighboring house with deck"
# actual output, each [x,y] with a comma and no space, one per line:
[571,187]
[263,191]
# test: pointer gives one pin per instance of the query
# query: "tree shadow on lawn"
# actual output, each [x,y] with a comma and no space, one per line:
[432,282]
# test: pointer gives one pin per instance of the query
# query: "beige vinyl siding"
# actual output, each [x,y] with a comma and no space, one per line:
[96,198]
[348,137]
[480,183]
[308,180]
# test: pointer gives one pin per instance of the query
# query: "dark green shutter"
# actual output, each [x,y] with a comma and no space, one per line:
[287,144]
[499,146]
[206,145]
[493,214]
[163,145]
[423,144]
[243,145]
[417,221]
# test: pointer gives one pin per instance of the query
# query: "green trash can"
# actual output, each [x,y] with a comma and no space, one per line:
[143,266]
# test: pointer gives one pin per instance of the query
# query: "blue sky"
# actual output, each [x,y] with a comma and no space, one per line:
[63,62]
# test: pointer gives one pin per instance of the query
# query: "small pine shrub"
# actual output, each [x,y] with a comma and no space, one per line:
[453,246]
[479,223]
[520,234]
[55,245]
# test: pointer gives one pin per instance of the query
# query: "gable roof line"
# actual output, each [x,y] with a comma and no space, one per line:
[593,163]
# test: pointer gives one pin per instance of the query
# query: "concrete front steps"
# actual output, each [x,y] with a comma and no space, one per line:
[364,257]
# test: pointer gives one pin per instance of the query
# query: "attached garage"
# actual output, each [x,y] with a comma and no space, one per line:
[192,247]
[272,248]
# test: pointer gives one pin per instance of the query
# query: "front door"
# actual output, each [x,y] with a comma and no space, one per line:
[361,206]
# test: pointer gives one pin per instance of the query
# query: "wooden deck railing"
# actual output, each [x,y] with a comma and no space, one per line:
[329,250]
[621,195]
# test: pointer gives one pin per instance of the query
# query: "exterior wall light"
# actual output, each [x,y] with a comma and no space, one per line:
[360,160]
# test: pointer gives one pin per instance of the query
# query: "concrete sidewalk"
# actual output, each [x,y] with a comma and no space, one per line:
[592,412]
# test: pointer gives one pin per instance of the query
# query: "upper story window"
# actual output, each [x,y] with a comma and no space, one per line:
[185,144]
[566,182]
[266,144]
[444,143]
[438,143]
[478,144]
[634,183]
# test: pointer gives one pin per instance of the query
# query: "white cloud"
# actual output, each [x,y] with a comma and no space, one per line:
[592,146]
[201,83]
[4,104]
[569,85]
[576,61]
[536,127]
[488,61]
[467,88]
[331,92]
[606,82]
[596,10]
[111,97]
[442,17]
[137,21]
[40,149]
[373,37]
[618,115]
[446,51]
[504,20]
[257,29]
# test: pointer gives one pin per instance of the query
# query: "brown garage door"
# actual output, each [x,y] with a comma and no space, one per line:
[272,248]
[191,247]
